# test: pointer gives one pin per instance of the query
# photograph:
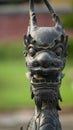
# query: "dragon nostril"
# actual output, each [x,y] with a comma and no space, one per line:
[55,64]
[35,64]
[44,59]
[46,65]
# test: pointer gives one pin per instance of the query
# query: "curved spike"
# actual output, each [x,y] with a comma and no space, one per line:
[54,15]
[33,21]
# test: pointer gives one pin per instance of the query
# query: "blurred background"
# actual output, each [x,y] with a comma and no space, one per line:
[14,85]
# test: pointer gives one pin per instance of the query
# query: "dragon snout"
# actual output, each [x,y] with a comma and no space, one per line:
[44,59]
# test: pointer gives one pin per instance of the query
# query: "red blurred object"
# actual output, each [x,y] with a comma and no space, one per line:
[14,26]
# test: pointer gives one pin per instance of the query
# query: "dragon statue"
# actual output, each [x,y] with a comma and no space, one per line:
[45,53]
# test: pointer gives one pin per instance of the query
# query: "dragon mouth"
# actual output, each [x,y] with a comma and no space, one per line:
[51,78]
[41,70]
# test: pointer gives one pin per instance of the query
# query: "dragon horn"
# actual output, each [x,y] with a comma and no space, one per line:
[33,21]
[54,15]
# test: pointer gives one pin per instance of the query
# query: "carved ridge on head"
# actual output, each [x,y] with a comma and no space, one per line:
[37,33]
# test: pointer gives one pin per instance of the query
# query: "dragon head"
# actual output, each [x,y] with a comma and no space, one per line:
[46,51]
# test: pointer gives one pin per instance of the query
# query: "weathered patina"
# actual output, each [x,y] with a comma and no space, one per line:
[45,52]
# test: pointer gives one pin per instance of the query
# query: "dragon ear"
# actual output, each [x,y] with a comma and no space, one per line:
[25,40]
[54,15]
[66,50]
[66,39]
[62,38]
[66,46]
[33,21]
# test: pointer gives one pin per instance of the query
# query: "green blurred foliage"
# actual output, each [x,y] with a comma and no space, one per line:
[11,50]
[67,20]
[14,85]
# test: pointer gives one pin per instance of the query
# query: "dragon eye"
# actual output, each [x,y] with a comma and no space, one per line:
[32,52]
[58,51]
